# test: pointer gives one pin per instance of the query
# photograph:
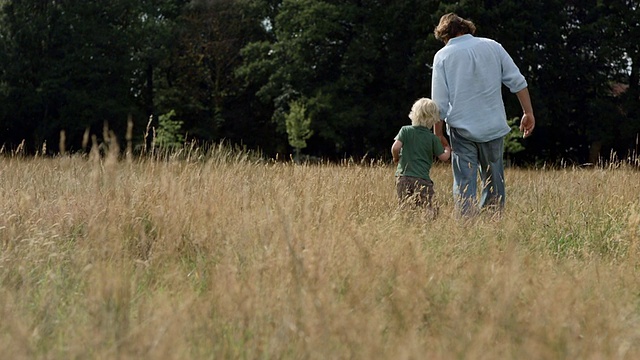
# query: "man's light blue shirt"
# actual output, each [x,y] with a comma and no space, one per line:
[468,73]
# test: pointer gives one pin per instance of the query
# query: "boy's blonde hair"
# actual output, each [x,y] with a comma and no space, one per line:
[424,112]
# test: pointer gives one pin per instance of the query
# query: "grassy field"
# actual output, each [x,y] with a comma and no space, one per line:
[217,255]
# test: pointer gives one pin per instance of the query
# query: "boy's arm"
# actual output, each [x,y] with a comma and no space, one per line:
[395,151]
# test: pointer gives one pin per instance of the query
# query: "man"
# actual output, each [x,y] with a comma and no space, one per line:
[468,73]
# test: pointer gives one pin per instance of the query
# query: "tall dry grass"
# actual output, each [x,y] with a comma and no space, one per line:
[214,254]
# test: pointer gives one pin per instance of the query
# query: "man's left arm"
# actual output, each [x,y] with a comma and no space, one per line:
[528,121]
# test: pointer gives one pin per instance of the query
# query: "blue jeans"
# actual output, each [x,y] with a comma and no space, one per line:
[467,159]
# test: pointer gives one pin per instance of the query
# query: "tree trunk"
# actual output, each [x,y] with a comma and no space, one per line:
[594,152]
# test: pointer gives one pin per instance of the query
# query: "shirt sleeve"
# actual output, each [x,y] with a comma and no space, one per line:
[511,75]
[400,135]
[439,87]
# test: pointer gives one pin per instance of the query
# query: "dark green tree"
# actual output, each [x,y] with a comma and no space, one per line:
[230,68]
[154,35]
[197,78]
[359,64]
[618,23]
[73,65]
[64,65]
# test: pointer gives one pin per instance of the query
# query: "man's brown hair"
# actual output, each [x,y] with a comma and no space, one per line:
[452,25]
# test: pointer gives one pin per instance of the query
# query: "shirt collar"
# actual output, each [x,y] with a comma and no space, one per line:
[459,39]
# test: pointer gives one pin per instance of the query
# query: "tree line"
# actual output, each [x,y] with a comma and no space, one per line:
[334,78]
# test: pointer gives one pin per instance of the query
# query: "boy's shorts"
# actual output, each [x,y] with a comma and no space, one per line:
[414,191]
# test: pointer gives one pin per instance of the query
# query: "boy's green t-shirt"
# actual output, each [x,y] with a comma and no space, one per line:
[419,147]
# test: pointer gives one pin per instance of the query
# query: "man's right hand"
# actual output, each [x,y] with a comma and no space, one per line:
[439,132]
[444,141]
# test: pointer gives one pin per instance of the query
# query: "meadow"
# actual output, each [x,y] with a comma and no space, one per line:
[216,254]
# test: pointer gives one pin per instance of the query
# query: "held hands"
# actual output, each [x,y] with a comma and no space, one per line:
[447,148]
[446,155]
[527,124]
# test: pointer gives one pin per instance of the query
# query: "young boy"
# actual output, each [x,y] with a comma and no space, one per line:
[413,150]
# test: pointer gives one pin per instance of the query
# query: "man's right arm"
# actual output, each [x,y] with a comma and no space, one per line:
[439,132]
[439,94]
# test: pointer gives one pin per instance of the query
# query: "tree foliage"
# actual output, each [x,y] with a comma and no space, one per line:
[71,65]
[298,126]
[169,134]
[354,63]
[231,68]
